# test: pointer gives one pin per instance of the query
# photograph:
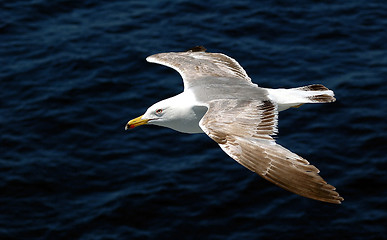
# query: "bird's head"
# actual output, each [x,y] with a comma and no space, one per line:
[160,113]
[179,113]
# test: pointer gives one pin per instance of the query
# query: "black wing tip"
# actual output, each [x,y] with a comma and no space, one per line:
[335,200]
[197,49]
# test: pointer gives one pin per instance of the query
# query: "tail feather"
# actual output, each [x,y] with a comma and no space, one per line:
[294,97]
[313,87]
[323,98]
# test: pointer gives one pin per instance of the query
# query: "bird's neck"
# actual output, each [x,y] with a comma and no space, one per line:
[187,113]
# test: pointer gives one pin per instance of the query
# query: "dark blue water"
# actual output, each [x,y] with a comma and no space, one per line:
[72,73]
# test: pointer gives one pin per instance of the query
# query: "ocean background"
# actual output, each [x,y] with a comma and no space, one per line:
[72,73]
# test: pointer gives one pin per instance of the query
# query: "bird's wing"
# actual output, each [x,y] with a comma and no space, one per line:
[196,63]
[243,130]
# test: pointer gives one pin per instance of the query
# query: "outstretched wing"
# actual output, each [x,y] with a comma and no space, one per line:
[196,63]
[243,130]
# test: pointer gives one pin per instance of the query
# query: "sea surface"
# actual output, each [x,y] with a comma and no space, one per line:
[72,73]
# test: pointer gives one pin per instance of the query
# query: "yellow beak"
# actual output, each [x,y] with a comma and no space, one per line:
[136,122]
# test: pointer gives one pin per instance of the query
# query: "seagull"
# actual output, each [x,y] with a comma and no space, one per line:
[220,100]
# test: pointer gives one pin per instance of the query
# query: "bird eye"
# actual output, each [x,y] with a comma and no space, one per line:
[159,111]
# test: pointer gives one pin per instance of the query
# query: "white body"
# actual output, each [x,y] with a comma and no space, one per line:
[187,113]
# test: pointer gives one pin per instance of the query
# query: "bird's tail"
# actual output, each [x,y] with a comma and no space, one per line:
[295,97]
[317,93]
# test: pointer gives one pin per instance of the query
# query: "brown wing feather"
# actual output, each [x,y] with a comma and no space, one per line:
[196,63]
[243,129]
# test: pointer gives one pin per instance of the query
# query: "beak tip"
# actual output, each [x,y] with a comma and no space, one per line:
[135,122]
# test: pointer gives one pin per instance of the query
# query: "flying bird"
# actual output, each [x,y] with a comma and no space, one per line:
[220,100]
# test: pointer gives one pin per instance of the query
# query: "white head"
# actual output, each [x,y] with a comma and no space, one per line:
[157,114]
[176,113]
